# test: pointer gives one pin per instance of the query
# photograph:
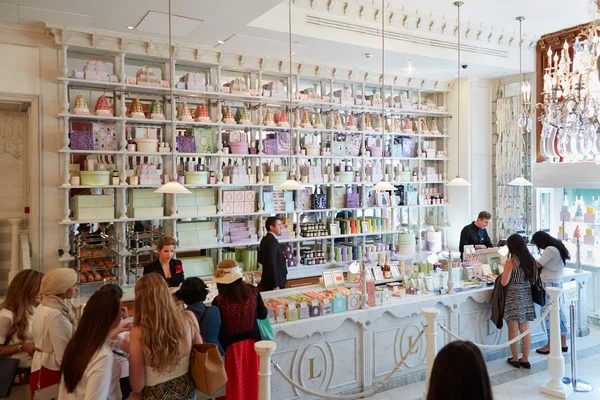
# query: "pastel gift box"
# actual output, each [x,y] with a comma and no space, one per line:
[589,240]
[589,218]
[565,216]
[81,140]
[339,304]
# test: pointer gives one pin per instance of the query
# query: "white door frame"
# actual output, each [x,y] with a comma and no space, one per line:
[35,155]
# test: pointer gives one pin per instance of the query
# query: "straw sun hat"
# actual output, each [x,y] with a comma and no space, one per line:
[228,271]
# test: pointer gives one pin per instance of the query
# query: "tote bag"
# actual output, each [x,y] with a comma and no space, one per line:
[265,329]
[206,368]
[538,293]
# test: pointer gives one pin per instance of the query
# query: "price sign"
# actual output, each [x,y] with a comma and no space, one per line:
[571,291]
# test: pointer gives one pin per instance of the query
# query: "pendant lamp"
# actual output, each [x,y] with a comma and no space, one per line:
[172,187]
[383,186]
[458,181]
[520,181]
[291,183]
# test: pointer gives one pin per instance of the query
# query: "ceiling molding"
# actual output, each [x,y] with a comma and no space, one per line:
[115,43]
[404,18]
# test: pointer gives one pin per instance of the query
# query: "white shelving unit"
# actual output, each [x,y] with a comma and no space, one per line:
[120,92]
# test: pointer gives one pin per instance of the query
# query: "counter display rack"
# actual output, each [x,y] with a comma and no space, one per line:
[130,93]
[96,260]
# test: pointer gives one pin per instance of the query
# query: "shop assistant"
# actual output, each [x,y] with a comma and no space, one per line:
[475,233]
[168,267]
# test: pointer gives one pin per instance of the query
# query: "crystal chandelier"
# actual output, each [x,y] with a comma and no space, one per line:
[571,98]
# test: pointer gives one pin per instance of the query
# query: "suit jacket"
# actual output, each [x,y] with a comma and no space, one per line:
[274,268]
[177,277]
[498,303]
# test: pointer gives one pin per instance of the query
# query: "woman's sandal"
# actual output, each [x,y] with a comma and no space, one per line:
[543,350]
[525,364]
[515,364]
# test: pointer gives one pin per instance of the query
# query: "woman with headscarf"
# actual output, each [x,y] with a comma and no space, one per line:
[52,326]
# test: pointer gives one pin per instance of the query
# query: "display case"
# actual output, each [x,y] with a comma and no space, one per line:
[96,259]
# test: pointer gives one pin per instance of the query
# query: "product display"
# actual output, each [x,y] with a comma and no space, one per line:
[135,110]
[156,111]
[183,112]
[201,113]
[102,108]
[80,107]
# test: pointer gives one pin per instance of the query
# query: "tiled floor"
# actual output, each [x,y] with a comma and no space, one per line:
[510,383]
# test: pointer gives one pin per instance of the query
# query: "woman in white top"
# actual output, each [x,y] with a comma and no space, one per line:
[16,339]
[160,344]
[89,369]
[52,326]
[552,262]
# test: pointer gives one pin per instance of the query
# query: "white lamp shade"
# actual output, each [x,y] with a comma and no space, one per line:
[458,181]
[291,184]
[383,186]
[520,181]
[173,187]
[354,268]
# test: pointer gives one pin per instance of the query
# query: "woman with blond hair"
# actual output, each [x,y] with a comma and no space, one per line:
[16,339]
[166,266]
[160,344]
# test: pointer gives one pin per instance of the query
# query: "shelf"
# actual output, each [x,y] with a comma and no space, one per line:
[104,152]
[241,98]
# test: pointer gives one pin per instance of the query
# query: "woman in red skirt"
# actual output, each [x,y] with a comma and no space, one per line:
[240,305]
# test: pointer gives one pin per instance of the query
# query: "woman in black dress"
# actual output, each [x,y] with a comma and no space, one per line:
[166,266]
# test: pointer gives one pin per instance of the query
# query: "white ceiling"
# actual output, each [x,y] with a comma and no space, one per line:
[259,27]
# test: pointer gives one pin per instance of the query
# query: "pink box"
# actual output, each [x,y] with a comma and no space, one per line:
[250,195]
[565,216]
[131,80]
[587,239]
[226,239]
[228,208]
[238,207]
[254,238]
[589,218]
[240,195]
[562,236]
[165,84]
[249,207]
[228,196]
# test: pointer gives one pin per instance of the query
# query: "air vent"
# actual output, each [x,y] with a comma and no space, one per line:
[402,37]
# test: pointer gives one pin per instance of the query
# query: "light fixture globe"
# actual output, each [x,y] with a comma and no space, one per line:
[291,184]
[520,181]
[173,187]
[383,186]
[458,182]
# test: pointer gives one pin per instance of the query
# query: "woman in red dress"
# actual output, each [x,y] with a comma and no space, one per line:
[240,305]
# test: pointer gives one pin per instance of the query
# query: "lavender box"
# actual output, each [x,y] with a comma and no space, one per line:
[81,140]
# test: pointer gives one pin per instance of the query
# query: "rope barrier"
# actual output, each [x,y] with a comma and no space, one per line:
[500,346]
[350,396]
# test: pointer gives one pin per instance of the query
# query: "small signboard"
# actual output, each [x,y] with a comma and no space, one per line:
[571,291]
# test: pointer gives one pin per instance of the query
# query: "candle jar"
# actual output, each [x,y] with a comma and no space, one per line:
[74,181]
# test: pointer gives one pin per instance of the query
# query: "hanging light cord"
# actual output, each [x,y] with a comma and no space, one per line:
[458,4]
[291,117]
[171,82]
[383,145]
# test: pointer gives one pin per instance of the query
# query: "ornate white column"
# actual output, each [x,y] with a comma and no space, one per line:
[556,362]
[14,248]
[264,349]
[430,315]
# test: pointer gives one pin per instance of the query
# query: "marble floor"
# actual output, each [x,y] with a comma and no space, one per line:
[510,383]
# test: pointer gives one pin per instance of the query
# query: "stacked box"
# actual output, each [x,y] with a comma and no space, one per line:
[196,234]
[148,174]
[239,201]
[192,81]
[287,230]
[239,232]
[145,77]
[93,207]
[200,203]
[238,175]
[343,96]
[198,266]
[278,201]
[274,89]
[144,203]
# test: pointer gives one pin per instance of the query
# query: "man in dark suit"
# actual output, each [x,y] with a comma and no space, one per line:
[270,255]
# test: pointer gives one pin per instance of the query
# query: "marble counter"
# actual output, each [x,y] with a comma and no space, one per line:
[352,351]
[592,266]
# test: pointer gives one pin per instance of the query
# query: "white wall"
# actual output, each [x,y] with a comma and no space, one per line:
[28,70]
[475,159]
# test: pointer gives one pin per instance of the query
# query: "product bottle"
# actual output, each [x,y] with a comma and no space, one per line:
[387,270]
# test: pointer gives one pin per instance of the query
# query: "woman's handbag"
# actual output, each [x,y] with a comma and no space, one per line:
[538,293]
[265,329]
[206,368]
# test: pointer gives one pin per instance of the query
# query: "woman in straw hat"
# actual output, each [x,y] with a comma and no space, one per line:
[52,326]
[240,305]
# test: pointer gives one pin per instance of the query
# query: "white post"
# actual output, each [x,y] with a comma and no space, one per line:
[556,362]
[264,349]
[431,315]
[14,248]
